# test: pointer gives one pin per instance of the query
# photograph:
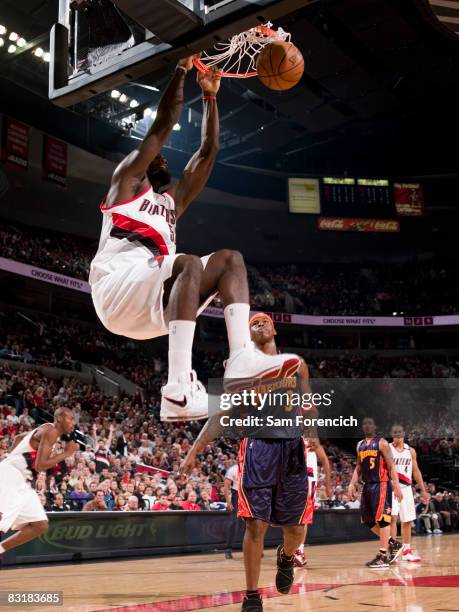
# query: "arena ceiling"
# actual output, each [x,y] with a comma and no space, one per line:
[378,73]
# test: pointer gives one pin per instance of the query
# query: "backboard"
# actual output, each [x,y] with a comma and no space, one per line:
[97,45]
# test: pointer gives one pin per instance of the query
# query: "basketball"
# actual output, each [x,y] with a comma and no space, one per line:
[280,65]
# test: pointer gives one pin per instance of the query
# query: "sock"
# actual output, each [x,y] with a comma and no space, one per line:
[301,547]
[181,334]
[406,547]
[253,594]
[237,326]
[383,551]
[392,540]
[286,557]
[2,550]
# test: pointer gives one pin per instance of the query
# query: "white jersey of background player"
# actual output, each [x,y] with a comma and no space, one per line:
[141,288]
[20,507]
[406,466]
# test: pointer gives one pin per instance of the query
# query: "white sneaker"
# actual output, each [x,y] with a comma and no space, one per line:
[429,531]
[408,555]
[185,400]
[438,531]
[249,363]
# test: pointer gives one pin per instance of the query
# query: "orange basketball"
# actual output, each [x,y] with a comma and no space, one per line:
[280,65]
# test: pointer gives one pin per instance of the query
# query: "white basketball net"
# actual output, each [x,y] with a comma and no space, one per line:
[238,56]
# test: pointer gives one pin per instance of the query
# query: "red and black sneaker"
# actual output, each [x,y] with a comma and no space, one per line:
[381,561]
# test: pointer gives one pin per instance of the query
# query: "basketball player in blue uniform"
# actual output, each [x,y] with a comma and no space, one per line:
[376,469]
[272,476]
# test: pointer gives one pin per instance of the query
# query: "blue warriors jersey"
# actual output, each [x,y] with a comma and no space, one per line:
[372,462]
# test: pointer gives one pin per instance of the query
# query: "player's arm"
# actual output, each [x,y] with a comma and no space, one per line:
[17,439]
[207,434]
[355,475]
[227,491]
[135,165]
[425,495]
[316,446]
[44,460]
[386,453]
[198,169]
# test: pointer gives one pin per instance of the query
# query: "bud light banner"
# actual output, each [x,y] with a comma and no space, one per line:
[341,224]
[15,143]
[54,160]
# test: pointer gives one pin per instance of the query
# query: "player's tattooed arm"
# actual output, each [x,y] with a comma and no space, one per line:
[134,166]
[198,169]
[425,495]
[355,476]
[45,460]
[385,450]
[208,433]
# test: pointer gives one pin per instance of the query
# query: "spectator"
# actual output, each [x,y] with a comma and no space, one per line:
[162,503]
[190,503]
[96,504]
[59,504]
[132,504]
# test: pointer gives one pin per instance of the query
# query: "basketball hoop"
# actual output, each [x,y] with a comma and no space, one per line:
[237,58]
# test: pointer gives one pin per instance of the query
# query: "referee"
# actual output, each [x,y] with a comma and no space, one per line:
[230,487]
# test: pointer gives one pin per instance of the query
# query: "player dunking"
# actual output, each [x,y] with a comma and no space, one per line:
[272,479]
[20,506]
[376,469]
[406,466]
[141,288]
[314,451]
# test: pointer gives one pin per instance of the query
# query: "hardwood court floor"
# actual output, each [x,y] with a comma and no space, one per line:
[336,581]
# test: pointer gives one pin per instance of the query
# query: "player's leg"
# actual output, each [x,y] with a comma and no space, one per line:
[395,547]
[226,273]
[300,557]
[253,544]
[180,303]
[407,516]
[25,533]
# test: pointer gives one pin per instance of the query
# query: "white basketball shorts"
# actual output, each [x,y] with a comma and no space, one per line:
[19,503]
[405,508]
[129,298]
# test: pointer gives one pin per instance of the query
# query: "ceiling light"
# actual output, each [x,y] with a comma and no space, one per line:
[38,52]
[13,36]
[11,48]
[2,42]
[177,127]
[115,94]
[147,112]
[21,42]
[2,29]
[47,56]
[133,104]
[123,98]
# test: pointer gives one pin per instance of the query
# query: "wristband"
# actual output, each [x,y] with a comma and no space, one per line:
[182,68]
[209,97]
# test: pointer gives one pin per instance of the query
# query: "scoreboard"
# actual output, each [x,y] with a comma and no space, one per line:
[360,192]
[374,192]
[338,190]
[354,197]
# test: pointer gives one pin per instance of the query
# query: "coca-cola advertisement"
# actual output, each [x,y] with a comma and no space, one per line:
[341,224]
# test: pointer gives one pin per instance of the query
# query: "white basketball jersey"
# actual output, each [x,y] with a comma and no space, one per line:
[403,463]
[146,221]
[23,456]
[311,462]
